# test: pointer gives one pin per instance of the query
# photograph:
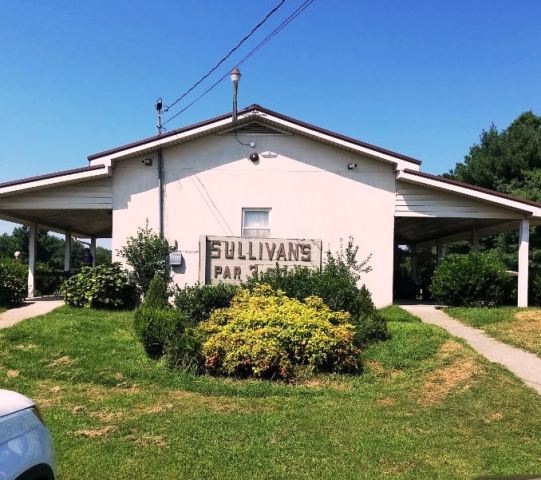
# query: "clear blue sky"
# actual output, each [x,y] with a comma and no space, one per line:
[422,77]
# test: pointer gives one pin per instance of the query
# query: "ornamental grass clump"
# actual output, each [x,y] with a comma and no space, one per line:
[265,334]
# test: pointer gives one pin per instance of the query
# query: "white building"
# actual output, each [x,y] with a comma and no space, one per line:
[306,183]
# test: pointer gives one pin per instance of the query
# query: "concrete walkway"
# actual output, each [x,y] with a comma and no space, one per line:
[524,365]
[30,308]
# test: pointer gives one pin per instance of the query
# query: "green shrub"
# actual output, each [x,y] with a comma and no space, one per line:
[266,334]
[474,279]
[13,283]
[157,295]
[336,284]
[183,350]
[198,302]
[104,286]
[148,254]
[534,290]
[156,327]
[48,279]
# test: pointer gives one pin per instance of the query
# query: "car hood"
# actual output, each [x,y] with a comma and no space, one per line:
[11,402]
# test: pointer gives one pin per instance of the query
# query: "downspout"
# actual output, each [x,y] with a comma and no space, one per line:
[161,195]
[161,191]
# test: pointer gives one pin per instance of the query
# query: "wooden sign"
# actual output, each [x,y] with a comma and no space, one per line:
[234,259]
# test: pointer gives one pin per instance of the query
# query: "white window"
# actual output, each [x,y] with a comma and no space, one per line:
[255,222]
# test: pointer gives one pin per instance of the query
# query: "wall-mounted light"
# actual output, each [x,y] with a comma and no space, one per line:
[147,162]
[351,166]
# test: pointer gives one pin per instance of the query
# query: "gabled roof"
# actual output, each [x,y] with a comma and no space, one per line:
[261,114]
[54,179]
[471,191]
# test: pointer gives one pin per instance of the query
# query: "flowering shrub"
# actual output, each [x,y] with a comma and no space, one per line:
[266,334]
[336,283]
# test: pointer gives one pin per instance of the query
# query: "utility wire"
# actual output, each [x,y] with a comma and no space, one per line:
[233,50]
[266,40]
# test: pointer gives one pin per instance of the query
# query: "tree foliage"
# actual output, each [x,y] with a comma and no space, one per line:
[508,161]
[50,248]
[147,254]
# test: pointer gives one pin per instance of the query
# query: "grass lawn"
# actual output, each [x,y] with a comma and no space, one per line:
[426,407]
[517,326]
[2,309]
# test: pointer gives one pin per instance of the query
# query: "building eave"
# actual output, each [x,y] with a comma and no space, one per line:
[253,112]
[528,207]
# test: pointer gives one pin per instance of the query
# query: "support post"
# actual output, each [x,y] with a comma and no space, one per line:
[32,250]
[475,239]
[413,250]
[67,250]
[439,251]
[523,247]
[93,250]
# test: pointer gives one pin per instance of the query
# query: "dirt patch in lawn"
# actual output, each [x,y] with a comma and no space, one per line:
[108,416]
[524,331]
[458,374]
[64,361]
[385,402]
[325,383]
[146,440]
[218,403]
[25,347]
[96,432]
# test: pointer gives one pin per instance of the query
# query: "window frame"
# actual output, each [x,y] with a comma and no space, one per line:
[267,210]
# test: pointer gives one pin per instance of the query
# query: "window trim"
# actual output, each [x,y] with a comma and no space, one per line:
[254,209]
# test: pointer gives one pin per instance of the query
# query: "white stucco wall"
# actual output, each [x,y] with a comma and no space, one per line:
[307,185]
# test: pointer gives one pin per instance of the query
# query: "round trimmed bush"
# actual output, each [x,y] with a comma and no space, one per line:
[474,279]
[104,286]
[13,286]
[266,334]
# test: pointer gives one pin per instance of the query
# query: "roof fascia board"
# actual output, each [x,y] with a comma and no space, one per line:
[170,140]
[245,117]
[54,181]
[469,192]
[328,138]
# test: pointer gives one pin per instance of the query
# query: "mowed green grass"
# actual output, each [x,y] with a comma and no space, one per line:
[2,309]
[426,407]
[520,327]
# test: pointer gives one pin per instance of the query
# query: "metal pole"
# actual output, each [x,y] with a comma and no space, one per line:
[161,192]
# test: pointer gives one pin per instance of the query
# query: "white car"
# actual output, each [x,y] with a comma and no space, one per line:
[26,448]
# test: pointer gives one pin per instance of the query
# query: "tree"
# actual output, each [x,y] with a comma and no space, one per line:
[50,248]
[508,161]
[148,254]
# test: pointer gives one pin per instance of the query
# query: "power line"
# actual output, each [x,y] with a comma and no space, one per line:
[260,45]
[222,60]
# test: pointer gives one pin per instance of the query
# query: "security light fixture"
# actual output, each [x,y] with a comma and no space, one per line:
[235,77]
[351,166]
[147,162]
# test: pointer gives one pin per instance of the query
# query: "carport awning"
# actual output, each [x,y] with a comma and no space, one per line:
[83,223]
[79,201]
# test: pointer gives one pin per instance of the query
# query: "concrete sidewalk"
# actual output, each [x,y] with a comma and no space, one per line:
[524,365]
[30,308]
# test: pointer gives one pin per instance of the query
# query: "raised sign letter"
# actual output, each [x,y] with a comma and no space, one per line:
[215,250]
